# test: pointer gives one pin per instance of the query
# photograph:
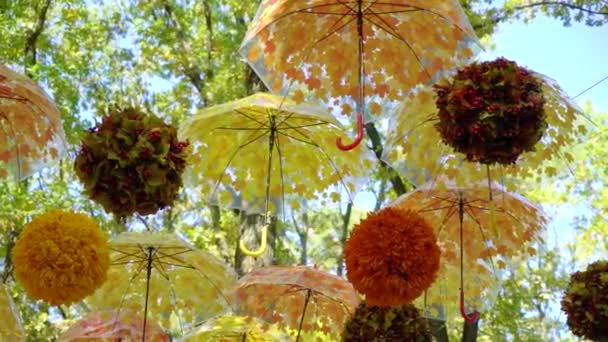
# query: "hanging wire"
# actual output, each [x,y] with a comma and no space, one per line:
[593,86]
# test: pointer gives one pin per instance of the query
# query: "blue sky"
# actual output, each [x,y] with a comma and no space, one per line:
[575,56]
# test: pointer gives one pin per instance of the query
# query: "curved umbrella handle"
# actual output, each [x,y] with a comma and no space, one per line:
[358,138]
[472,317]
[261,249]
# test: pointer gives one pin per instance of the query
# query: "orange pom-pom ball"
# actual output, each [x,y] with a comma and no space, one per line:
[392,257]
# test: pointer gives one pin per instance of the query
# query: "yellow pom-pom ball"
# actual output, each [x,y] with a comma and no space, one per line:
[61,257]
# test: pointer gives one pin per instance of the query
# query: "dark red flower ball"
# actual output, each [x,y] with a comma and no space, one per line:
[491,111]
[132,162]
[372,323]
[586,302]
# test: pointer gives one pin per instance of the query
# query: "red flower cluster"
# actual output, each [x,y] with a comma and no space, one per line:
[492,112]
[586,302]
[132,162]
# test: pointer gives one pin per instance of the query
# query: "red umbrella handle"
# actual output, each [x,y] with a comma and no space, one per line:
[358,139]
[472,317]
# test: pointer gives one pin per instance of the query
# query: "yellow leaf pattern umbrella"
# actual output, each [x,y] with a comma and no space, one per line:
[414,147]
[299,297]
[160,276]
[266,146]
[478,237]
[237,329]
[358,50]
[11,329]
[31,133]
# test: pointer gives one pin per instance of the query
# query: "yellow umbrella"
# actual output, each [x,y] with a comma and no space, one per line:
[267,146]
[237,329]
[11,329]
[414,147]
[357,51]
[478,237]
[165,278]
[31,133]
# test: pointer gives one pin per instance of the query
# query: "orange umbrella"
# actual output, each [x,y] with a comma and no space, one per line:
[31,133]
[110,326]
[477,234]
[356,51]
[300,297]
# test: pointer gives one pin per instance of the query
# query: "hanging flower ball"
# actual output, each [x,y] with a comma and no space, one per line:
[491,111]
[586,302]
[132,163]
[61,257]
[372,323]
[392,257]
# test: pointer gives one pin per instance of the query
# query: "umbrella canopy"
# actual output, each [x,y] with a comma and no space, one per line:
[356,50]
[268,146]
[112,326]
[299,297]
[478,236]
[11,328]
[31,133]
[237,329]
[165,279]
[414,147]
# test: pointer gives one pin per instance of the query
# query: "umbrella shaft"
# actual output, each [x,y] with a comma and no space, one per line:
[361,51]
[303,314]
[148,273]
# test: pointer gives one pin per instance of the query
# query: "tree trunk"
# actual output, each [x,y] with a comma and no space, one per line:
[469,331]
[32,38]
[250,233]
[343,237]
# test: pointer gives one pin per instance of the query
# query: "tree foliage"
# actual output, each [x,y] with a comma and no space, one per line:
[175,56]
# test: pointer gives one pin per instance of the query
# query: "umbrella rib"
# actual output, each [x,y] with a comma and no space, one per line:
[304,126]
[291,288]
[424,10]
[304,10]
[451,211]
[158,266]
[483,236]
[298,139]
[503,212]
[142,266]
[333,30]
[396,35]
[125,256]
[241,128]
[331,162]
[261,123]
[431,117]
[234,154]
[435,209]
[278,146]
[173,296]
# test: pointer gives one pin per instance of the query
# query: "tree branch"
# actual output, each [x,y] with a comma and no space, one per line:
[562,4]
[509,12]
[343,236]
[398,184]
[191,70]
[32,38]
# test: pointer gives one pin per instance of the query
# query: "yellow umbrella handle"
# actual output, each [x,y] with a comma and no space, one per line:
[263,245]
